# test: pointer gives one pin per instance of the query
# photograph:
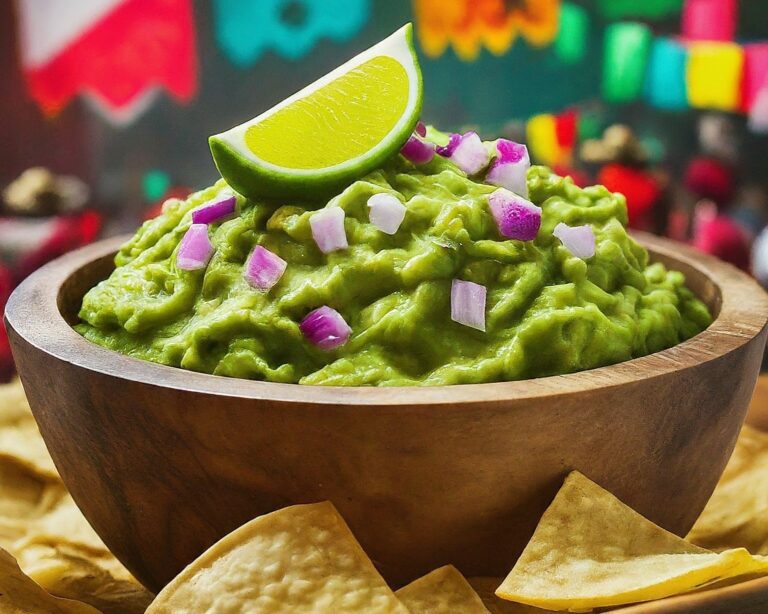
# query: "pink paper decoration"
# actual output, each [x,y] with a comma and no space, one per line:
[710,20]
[755,75]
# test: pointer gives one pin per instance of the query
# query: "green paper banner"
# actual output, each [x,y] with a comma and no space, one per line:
[624,61]
[645,9]
[571,42]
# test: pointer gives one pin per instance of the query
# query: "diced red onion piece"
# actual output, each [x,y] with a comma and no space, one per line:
[386,212]
[214,210]
[417,150]
[470,155]
[510,168]
[468,303]
[509,151]
[421,129]
[195,249]
[263,269]
[325,328]
[328,229]
[510,175]
[579,240]
[448,149]
[516,217]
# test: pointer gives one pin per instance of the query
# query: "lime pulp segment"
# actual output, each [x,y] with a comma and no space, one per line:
[340,121]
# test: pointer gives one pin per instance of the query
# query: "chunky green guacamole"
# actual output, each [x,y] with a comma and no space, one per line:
[548,312]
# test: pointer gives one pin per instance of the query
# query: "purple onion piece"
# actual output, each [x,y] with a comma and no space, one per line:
[449,148]
[263,269]
[214,210]
[579,240]
[417,150]
[468,303]
[516,217]
[328,229]
[325,328]
[470,155]
[510,175]
[421,129]
[195,249]
[509,151]
[386,212]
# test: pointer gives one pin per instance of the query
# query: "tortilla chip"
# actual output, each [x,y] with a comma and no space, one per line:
[20,595]
[66,573]
[64,524]
[302,558]
[737,514]
[486,587]
[590,550]
[443,590]
[23,444]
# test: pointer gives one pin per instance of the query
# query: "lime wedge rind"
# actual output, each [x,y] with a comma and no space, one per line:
[233,158]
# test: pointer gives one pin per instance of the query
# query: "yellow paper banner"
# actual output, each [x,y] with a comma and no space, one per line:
[542,139]
[713,75]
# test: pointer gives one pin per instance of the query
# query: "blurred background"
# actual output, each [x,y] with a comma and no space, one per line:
[106,105]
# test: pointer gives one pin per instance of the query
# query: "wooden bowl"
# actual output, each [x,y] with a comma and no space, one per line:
[163,461]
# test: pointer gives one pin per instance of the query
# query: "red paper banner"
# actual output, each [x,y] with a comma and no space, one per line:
[115,51]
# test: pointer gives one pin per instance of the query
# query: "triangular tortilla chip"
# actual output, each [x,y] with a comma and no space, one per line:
[590,550]
[737,514]
[442,591]
[302,558]
[64,572]
[20,595]
[486,587]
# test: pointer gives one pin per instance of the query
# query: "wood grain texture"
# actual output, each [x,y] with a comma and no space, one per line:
[164,461]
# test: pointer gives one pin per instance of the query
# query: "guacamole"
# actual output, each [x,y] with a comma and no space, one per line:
[547,311]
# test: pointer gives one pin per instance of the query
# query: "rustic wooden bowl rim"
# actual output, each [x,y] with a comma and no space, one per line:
[33,312]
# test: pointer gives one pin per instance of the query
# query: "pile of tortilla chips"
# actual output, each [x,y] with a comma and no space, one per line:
[66,567]
[589,551]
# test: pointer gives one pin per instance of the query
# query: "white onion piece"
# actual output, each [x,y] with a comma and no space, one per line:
[510,168]
[263,269]
[468,304]
[328,229]
[579,240]
[386,212]
[470,155]
[326,328]
[516,217]
[195,249]
[417,150]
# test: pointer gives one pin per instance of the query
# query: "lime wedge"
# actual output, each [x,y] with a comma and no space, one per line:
[335,130]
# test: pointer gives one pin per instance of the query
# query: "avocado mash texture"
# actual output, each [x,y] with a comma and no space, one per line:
[548,312]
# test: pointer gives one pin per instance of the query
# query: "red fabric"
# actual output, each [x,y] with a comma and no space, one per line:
[6,359]
[640,188]
[70,232]
[142,43]
[724,238]
[580,178]
[710,179]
